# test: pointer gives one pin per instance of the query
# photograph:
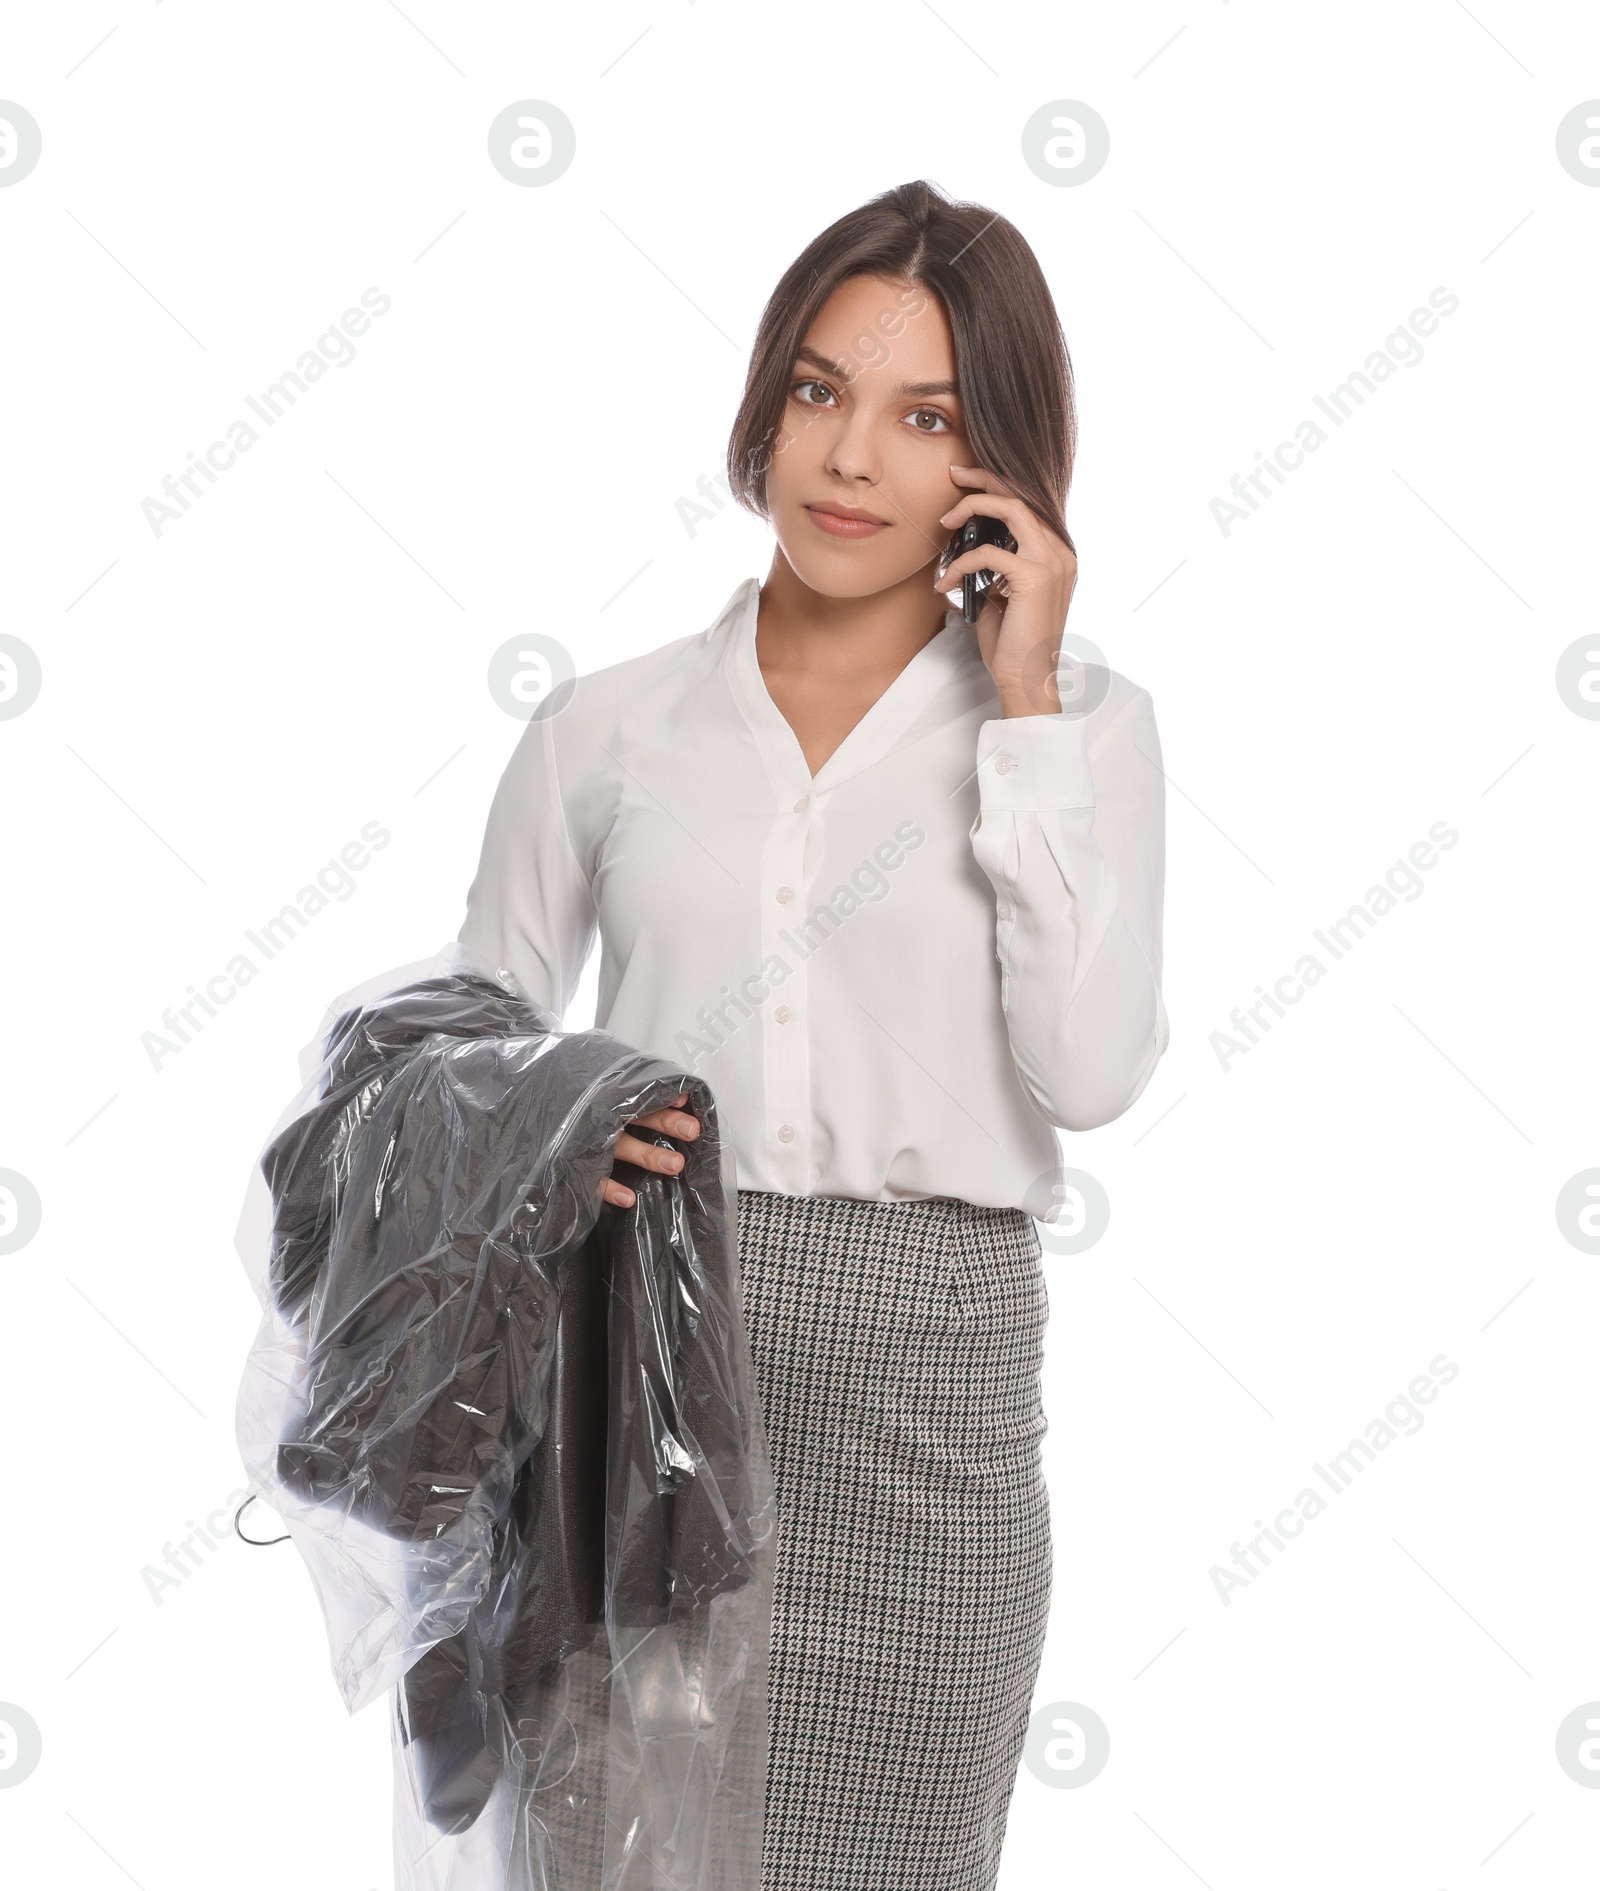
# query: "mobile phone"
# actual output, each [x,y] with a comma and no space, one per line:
[978,530]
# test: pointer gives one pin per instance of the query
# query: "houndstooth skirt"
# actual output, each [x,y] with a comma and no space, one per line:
[896,1349]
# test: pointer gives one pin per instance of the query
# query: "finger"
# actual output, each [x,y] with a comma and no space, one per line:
[647,1155]
[670,1123]
[978,475]
[616,1193]
[1025,524]
[674,1120]
[1010,565]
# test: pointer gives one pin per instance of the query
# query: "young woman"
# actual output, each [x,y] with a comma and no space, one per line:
[857,865]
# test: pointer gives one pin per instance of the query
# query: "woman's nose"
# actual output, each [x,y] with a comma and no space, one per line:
[852,454]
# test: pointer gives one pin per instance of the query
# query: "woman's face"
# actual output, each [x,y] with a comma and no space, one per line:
[871,426]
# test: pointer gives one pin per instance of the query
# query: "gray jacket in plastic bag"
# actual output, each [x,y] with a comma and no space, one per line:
[513,1432]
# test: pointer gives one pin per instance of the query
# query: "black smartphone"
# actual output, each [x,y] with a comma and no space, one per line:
[978,530]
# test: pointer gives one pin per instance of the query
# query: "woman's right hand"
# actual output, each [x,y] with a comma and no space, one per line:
[672,1121]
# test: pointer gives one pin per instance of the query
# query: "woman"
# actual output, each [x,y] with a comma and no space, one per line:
[854,863]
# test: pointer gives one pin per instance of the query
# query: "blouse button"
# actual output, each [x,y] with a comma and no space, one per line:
[802,804]
[1005,909]
[1003,764]
[786,1132]
[785,894]
[783,1014]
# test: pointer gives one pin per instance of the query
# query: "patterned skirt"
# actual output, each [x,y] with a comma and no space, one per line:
[896,1349]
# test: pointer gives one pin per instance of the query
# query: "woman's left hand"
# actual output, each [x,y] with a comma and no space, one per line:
[1025,609]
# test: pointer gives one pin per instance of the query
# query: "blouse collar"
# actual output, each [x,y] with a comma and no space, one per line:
[940,660]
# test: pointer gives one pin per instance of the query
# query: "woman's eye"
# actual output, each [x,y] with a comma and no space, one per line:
[801,386]
[929,414]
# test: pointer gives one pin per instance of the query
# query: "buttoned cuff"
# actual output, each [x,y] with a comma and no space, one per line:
[1032,764]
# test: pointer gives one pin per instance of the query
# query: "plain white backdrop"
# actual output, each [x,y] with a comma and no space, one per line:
[1294,1236]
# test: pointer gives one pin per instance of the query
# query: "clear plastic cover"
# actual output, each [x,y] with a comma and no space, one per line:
[512,1431]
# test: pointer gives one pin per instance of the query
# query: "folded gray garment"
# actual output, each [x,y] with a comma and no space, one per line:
[484,1335]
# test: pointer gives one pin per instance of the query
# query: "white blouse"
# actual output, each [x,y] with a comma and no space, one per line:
[895,975]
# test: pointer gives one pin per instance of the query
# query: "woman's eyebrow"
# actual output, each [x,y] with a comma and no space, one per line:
[916,389]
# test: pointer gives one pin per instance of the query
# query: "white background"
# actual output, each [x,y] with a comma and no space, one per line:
[1292,1239]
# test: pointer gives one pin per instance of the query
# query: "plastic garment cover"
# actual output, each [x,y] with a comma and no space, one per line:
[513,1433]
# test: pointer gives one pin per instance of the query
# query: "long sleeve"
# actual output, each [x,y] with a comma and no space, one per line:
[530,905]
[955,903]
[1071,834]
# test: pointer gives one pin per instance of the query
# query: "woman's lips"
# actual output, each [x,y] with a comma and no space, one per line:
[837,527]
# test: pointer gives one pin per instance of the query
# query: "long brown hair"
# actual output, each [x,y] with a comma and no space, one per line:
[1013,372]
